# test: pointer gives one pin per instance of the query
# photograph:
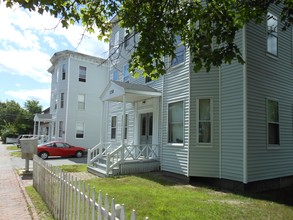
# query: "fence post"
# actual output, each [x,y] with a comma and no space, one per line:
[93,203]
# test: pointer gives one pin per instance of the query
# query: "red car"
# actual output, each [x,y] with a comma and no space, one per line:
[58,148]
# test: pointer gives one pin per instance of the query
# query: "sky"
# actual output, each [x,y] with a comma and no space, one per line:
[27,42]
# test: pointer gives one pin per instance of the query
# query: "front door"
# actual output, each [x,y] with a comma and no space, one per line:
[146,128]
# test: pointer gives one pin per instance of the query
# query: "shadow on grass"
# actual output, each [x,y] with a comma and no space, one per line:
[281,196]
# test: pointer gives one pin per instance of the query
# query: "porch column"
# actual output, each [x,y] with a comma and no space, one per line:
[102,125]
[34,128]
[39,127]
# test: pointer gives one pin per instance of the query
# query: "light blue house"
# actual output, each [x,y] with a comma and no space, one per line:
[232,125]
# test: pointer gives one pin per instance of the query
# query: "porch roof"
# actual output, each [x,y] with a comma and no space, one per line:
[43,117]
[115,91]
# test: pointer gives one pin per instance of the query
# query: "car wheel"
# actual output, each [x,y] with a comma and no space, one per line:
[78,154]
[44,155]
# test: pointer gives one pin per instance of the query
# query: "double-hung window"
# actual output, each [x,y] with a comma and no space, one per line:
[179,52]
[175,122]
[115,75]
[272,34]
[79,130]
[62,100]
[81,102]
[126,73]
[125,126]
[204,120]
[60,128]
[63,71]
[113,127]
[82,74]
[273,122]
[116,43]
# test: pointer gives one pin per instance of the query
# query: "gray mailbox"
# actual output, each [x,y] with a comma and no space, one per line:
[28,147]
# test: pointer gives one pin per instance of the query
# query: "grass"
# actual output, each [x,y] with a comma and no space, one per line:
[12,147]
[41,208]
[74,168]
[158,197]
[16,152]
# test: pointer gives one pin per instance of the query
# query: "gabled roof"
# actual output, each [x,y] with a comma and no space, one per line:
[115,91]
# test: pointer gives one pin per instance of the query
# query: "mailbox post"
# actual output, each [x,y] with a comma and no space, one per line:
[28,149]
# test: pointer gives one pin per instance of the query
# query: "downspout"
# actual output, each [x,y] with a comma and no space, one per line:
[67,100]
[220,122]
[244,108]
[123,121]
[123,127]
[161,118]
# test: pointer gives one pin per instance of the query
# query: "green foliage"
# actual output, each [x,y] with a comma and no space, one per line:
[15,120]
[208,28]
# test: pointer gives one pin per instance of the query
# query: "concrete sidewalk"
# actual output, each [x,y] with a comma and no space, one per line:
[14,202]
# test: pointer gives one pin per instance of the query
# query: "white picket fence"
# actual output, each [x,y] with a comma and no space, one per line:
[69,198]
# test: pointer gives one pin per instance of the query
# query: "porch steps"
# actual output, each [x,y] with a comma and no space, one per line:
[128,167]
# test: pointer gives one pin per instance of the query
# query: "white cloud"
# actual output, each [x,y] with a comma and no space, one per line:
[51,42]
[31,63]
[41,95]
[28,40]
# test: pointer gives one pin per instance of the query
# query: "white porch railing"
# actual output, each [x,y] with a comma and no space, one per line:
[130,152]
[115,154]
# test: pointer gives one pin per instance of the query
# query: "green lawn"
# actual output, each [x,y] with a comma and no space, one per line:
[157,197]
[73,168]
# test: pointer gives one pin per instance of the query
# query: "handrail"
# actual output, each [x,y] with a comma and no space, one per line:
[123,153]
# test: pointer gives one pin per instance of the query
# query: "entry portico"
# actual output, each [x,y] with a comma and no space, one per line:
[143,114]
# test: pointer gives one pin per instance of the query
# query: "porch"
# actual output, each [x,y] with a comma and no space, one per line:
[116,159]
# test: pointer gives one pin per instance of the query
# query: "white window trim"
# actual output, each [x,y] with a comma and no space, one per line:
[79,74]
[270,54]
[60,135]
[84,96]
[199,144]
[128,76]
[113,127]
[272,146]
[180,64]
[83,130]
[176,144]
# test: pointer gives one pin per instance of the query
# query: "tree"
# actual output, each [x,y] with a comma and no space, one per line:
[31,108]
[198,23]
[15,120]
